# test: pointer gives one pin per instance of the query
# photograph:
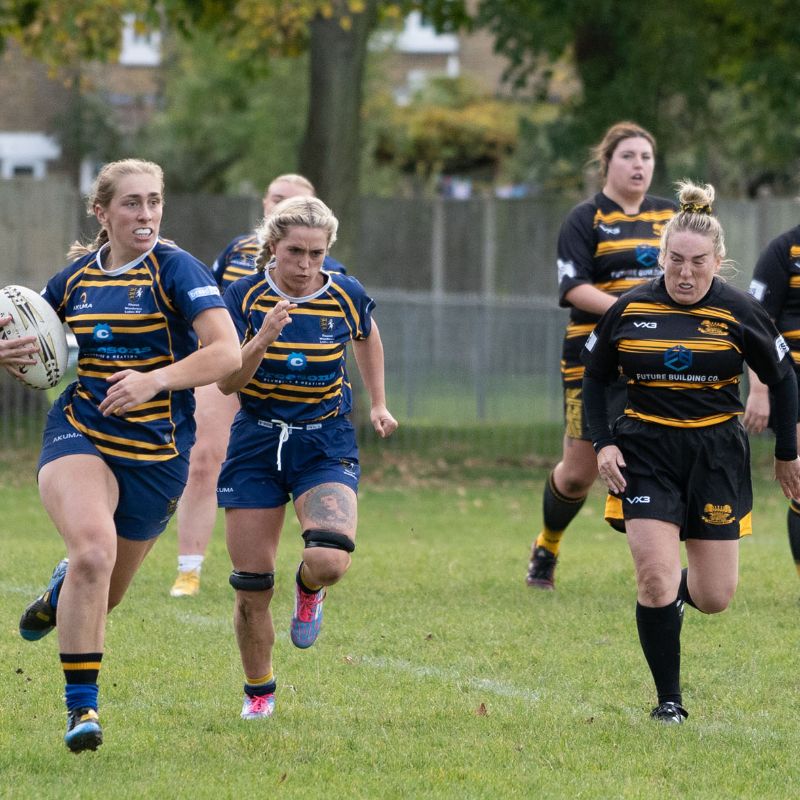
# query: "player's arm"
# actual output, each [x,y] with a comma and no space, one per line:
[590,299]
[369,357]
[253,350]
[219,356]
[756,411]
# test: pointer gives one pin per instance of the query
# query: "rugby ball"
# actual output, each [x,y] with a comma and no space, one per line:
[32,315]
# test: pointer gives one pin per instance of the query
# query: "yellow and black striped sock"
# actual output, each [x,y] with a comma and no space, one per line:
[558,511]
[80,675]
[257,687]
[307,587]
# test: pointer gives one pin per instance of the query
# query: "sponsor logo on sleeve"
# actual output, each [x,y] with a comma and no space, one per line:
[758,290]
[591,342]
[566,269]
[203,291]
[781,348]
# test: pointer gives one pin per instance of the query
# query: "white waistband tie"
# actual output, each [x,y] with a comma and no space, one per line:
[286,428]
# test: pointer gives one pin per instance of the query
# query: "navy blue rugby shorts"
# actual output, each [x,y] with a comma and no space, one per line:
[148,495]
[270,462]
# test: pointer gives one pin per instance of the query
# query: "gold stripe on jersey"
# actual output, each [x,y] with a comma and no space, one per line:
[644,216]
[620,285]
[639,309]
[794,251]
[157,281]
[791,334]
[145,412]
[571,373]
[233,273]
[794,280]
[659,345]
[574,330]
[688,385]
[114,445]
[699,422]
[624,245]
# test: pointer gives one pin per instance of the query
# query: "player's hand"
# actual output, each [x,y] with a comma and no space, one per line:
[756,412]
[277,318]
[128,390]
[16,352]
[610,464]
[383,422]
[787,473]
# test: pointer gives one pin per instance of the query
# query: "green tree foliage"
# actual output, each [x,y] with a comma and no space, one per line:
[714,79]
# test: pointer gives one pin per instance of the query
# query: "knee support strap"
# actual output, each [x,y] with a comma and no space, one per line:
[252,581]
[315,537]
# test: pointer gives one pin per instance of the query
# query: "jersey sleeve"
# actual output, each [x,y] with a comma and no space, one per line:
[190,285]
[220,262]
[357,305]
[770,282]
[764,349]
[55,291]
[575,251]
[234,301]
[599,354]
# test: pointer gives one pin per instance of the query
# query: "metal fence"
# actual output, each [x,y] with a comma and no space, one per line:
[465,295]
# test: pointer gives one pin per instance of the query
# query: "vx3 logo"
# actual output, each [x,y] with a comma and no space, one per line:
[642,498]
[648,325]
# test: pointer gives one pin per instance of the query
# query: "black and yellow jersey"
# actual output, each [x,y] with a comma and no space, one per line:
[136,317]
[302,376]
[776,285]
[601,245]
[683,362]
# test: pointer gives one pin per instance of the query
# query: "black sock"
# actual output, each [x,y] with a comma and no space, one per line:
[660,637]
[557,509]
[793,523]
[683,589]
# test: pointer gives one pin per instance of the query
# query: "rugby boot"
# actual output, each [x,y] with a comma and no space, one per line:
[39,618]
[541,569]
[669,713]
[83,730]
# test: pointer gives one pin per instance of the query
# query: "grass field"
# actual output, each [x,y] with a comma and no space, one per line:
[438,674]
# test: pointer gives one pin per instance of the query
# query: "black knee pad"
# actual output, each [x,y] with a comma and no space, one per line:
[252,581]
[314,537]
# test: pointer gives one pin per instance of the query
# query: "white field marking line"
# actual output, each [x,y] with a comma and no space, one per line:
[499,688]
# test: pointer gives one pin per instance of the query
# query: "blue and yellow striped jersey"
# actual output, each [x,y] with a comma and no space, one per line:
[138,317]
[238,259]
[302,377]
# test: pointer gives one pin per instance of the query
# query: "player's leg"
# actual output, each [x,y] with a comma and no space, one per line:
[197,510]
[564,494]
[712,573]
[655,547]
[82,511]
[328,515]
[252,536]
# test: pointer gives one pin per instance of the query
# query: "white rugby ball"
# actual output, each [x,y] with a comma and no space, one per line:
[32,315]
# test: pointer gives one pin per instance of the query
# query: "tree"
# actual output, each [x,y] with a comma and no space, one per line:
[672,67]
[69,32]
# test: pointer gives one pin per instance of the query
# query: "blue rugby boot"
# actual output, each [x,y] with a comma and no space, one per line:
[39,618]
[307,616]
[83,730]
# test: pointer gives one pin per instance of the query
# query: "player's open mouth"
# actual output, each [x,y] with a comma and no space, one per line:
[143,232]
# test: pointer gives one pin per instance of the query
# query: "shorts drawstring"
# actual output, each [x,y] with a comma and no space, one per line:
[286,428]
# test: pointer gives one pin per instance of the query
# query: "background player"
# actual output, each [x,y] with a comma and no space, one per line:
[197,511]
[292,437]
[776,285]
[607,245]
